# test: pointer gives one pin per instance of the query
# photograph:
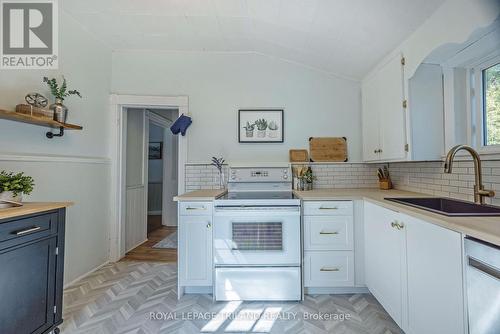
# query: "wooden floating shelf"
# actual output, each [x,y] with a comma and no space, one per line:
[37,120]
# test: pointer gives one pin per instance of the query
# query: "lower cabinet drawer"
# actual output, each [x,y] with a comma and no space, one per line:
[328,208]
[328,269]
[195,208]
[26,229]
[328,233]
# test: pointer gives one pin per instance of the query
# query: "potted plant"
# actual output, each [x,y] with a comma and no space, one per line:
[273,129]
[306,179]
[219,164]
[60,93]
[13,186]
[249,130]
[261,127]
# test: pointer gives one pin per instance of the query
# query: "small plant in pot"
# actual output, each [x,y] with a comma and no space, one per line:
[13,186]
[306,179]
[261,127]
[273,129]
[60,93]
[249,130]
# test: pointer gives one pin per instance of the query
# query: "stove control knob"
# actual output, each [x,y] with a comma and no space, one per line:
[285,171]
[233,171]
[233,177]
[285,176]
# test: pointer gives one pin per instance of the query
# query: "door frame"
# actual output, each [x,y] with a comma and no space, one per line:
[118,105]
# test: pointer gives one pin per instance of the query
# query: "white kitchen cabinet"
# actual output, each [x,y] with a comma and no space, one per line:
[414,269]
[403,117]
[384,129]
[195,248]
[385,259]
[435,290]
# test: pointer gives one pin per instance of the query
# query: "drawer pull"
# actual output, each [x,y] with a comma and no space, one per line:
[27,231]
[328,208]
[328,233]
[329,269]
[191,208]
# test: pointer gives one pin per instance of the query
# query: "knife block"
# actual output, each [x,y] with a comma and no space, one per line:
[385,184]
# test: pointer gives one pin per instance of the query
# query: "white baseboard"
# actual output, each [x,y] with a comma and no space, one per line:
[84,275]
[333,291]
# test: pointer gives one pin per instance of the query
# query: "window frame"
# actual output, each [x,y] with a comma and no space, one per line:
[476,103]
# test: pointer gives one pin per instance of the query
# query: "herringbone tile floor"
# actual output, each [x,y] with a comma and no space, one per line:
[124,297]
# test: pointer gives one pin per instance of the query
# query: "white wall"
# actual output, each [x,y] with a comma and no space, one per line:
[218,85]
[60,166]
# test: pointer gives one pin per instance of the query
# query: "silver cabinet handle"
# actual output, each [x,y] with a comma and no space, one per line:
[484,268]
[28,230]
[328,208]
[190,208]
[328,233]
[329,269]
[397,225]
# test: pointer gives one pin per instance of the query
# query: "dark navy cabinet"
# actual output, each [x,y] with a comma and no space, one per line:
[31,273]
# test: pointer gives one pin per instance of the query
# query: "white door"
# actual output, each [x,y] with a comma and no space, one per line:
[392,114]
[435,290]
[371,103]
[195,250]
[136,179]
[385,259]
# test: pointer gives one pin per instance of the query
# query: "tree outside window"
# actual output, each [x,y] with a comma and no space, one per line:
[491,105]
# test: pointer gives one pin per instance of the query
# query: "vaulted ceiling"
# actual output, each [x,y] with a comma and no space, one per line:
[342,37]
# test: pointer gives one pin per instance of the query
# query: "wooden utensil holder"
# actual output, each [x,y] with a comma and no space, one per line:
[385,184]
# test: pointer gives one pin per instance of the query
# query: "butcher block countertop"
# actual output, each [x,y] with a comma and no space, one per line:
[29,208]
[201,195]
[483,228]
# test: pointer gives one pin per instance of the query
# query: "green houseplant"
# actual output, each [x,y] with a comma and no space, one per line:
[60,93]
[261,127]
[13,186]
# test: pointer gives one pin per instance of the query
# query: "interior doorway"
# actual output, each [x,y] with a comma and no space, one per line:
[151,184]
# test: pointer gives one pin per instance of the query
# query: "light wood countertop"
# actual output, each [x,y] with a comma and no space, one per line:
[32,207]
[201,195]
[483,228]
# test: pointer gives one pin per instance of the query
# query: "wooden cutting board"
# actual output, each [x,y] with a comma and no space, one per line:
[328,149]
[299,156]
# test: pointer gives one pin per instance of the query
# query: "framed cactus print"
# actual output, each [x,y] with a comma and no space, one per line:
[260,126]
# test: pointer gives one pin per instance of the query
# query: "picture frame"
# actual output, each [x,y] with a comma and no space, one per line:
[155,151]
[261,126]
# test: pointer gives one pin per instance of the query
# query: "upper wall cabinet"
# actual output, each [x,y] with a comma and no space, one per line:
[384,135]
[399,126]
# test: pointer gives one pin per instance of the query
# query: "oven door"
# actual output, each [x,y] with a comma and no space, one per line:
[257,236]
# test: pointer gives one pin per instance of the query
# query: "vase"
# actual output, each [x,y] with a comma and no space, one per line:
[60,111]
[9,196]
[261,133]
[273,134]
[222,180]
[249,133]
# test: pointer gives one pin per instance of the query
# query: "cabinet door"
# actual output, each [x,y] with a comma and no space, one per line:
[392,115]
[385,259]
[371,112]
[435,291]
[27,282]
[195,250]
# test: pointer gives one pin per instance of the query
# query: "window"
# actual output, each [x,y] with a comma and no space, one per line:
[491,105]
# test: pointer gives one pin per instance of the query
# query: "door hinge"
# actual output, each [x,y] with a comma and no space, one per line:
[55,309]
[407,147]
[403,61]
[405,103]
[57,251]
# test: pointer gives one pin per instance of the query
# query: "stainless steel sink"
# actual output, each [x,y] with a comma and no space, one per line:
[449,207]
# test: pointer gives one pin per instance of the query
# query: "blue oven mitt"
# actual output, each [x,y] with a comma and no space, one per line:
[181,125]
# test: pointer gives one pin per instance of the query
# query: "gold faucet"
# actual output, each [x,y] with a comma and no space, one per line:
[479,191]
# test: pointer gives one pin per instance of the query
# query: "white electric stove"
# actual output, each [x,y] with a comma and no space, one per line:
[257,237]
